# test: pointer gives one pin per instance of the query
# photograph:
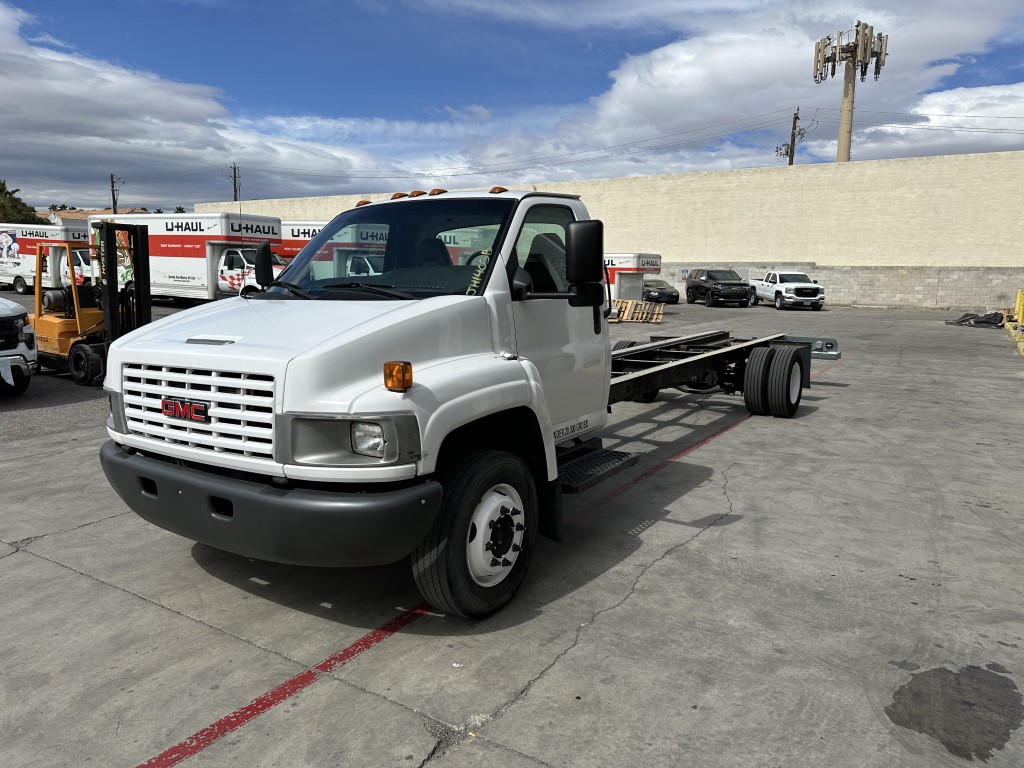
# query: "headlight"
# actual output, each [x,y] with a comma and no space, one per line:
[368,439]
[346,441]
[789,290]
[20,323]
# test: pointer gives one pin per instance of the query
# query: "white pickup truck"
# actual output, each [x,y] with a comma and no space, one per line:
[18,357]
[436,411]
[787,289]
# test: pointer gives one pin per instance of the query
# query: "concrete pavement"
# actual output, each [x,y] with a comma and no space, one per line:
[755,592]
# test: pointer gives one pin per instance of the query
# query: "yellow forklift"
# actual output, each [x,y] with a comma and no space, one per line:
[76,323]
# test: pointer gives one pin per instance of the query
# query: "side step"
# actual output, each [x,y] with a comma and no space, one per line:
[592,468]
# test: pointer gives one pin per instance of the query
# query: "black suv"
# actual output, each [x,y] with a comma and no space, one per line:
[716,285]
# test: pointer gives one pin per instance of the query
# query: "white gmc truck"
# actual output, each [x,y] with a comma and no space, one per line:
[437,410]
[787,289]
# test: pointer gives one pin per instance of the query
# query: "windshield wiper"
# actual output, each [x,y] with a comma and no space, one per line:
[383,290]
[292,288]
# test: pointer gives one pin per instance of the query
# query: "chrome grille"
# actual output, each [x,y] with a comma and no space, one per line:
[241,408]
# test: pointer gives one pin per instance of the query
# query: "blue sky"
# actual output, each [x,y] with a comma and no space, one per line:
[315,97]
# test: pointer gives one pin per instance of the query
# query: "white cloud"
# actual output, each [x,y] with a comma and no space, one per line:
[67,121]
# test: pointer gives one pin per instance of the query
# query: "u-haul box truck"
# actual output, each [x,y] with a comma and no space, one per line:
[357,250]
[295,234]
[626,272]
[18,250]
[203,255]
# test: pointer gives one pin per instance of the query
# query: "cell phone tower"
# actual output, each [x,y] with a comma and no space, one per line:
[857,47]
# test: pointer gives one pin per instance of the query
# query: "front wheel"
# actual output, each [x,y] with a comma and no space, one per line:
[478,550]
[84,365]
[754,299]
[779,303]
[708,299]
[20,286]
[690,298]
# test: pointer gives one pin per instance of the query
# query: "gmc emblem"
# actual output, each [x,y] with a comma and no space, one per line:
[189,410]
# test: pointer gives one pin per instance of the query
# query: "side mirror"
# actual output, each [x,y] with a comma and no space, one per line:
[814,281]
[521,284]
[264,264]
[584,252]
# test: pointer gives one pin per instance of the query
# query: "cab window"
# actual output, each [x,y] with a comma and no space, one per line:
[540,247]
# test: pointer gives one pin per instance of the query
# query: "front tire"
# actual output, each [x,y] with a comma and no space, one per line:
[754,299]
[84,365]
[20,286]
[779,303]
[20,384]
[690,298]
[708,299]
[475,556]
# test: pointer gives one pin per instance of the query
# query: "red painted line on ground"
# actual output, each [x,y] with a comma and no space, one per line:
[200,740]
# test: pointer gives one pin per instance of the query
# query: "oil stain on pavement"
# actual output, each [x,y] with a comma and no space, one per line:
[971,712]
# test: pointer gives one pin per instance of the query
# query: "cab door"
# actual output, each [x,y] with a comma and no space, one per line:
[557,340]
[230,274]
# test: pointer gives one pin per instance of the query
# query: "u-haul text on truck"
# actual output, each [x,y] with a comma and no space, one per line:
[202,255]
[626,271]
[295,234]
[18,249]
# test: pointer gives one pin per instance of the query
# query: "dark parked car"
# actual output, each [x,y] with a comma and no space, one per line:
[660,291]
[717,285]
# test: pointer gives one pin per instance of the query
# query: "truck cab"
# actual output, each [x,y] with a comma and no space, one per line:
[342,419]
[236,268]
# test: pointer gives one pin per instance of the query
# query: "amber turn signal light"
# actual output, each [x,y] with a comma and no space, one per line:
[398,375]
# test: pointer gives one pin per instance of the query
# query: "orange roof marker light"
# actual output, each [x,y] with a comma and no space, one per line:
[497,190]
[437,191]
[398,195]
[362,202]
[398,375]
[417,193]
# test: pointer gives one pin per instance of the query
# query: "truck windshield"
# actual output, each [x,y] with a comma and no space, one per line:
[793,277]
[420,248]
[722,274]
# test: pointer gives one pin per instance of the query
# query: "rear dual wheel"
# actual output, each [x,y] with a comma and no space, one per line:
[773,381]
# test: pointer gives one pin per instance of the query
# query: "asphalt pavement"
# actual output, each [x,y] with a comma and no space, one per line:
[843,588]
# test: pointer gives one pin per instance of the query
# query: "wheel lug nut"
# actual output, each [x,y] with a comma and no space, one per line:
[495,562]
[516,548]
[520,527]
[506,562]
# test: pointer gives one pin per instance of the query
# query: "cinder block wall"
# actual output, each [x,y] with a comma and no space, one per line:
[945,231]
[975,289]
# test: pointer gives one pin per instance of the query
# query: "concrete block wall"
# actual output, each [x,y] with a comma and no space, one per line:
[970,289]
[898,232]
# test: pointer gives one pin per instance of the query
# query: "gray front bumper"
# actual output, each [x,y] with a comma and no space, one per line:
[296,526]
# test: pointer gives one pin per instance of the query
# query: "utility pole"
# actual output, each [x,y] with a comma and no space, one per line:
[234,182]
[115,184]
[792,136]
[857,48]
[796,135]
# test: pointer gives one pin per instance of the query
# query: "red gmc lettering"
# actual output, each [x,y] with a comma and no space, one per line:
[176,409]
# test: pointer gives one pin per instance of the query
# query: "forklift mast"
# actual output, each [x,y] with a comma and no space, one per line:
[127,307]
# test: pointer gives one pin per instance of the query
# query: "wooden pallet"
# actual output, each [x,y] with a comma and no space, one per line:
[637,311]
